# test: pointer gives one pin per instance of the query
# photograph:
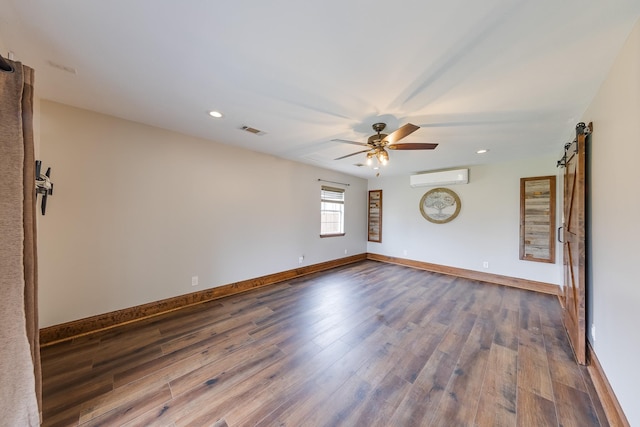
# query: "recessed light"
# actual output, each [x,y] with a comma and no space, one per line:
[216,114]
[484,150]
[376,168]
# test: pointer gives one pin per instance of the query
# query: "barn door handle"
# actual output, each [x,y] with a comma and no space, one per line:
[559,234]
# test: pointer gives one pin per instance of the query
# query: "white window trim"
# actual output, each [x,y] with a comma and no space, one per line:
[322,210]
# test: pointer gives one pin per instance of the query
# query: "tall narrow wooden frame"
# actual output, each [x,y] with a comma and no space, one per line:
[538,219]
[375,216]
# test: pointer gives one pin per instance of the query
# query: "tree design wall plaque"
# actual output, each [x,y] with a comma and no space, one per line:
[440,205]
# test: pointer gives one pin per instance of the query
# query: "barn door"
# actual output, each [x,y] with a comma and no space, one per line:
[573,241]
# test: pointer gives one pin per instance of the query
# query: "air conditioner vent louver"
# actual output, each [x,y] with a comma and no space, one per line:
[434,179]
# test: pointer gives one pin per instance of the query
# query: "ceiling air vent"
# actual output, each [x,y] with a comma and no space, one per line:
[252,130]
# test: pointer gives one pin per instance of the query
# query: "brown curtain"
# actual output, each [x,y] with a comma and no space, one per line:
[20,380]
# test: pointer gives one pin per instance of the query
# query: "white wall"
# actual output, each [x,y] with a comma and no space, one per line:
[486,229]
[614,298]
[137,211]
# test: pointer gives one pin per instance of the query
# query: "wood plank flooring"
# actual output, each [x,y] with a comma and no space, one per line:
[369,344]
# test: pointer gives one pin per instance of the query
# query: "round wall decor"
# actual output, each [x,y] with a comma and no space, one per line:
[440,205]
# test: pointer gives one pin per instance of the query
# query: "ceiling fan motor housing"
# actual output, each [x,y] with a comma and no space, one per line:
[377,139]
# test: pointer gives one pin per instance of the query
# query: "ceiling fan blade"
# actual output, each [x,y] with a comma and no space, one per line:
[350,142]
[352,154]
[415,146]
[400,133]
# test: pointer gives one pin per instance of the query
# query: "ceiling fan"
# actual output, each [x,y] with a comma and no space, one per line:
[378,144]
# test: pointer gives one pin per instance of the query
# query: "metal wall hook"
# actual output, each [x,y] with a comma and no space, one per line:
[44,185]
[5,66]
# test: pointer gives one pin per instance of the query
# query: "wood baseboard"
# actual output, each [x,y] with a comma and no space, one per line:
[530,285]
[608,399]
[66,331]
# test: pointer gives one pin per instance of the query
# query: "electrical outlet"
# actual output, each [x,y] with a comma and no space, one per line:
[485,264]
[345,251]
[194,281]
[593,332]
[405,252]
[300,259]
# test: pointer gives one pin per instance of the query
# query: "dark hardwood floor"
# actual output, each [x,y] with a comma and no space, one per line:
[369,344]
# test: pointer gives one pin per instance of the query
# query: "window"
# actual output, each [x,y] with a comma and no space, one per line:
[331,211]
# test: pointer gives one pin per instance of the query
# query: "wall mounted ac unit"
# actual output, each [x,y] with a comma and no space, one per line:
[433,179]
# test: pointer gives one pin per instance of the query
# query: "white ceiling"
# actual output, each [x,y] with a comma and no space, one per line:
[510,76]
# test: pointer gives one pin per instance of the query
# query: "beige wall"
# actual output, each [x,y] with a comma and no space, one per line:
[614,297]
[137,211]
[487,228]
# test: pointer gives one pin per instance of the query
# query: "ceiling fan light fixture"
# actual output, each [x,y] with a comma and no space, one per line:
[383,156]
[369,158]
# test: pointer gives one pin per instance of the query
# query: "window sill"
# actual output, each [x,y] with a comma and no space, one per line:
[331,235]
